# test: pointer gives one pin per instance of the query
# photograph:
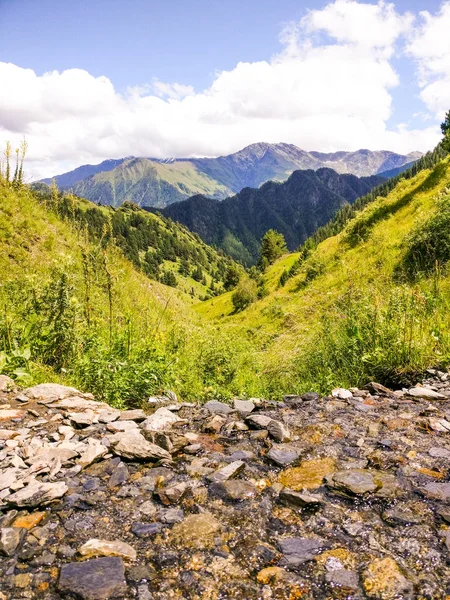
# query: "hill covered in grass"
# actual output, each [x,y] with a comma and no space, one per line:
[371,302]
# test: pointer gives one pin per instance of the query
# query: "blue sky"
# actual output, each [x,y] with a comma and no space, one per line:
[193,99]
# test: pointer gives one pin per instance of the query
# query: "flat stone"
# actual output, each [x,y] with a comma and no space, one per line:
[279,431]
[436,491]
[172,494]
[439,452]
[108,415]
[228,471]
[9,414]
[258,421]
[282,455]
[10,540]
[29,521]
[160,420]
[120,475]
[341,578]
[171,441]
[136,414]
[94,452]
[37,493]
[384,580]
[118,426]
[218,408]
[291,498]
[234,490]
[196,532]
[50,392]
[82,419]
[97,579]
[95,547]
[308,476]
[134,446]
[144,530]
[354,481]
[421,392]
[8,478]
[8,434]
[297,551]
[244,407]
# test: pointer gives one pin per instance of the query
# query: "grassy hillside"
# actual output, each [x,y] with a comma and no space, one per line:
[371,302]
[75,309]
[147,182]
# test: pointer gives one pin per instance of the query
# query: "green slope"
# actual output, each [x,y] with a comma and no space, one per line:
[146,182]
[351,313]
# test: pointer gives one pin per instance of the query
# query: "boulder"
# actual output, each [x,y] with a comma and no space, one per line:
[97,579]
[133,446]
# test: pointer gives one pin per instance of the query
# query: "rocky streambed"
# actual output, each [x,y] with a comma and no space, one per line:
[346,496]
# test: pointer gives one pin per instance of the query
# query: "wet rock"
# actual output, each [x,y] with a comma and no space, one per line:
[10,540]
[227,472]
[97,579]
[37,493]
[160,420]
[309,475]
[196,532]
[279,431]
[234,490]
[384,580]
[119,475]
[218,408]
[282,455]
[291,498]
[297,551]
[436,491]
[134,446]
[354,481]
[144,530]
[95,547]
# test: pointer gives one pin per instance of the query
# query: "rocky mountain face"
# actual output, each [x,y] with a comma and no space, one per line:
[158,183]
[313,497]
[295,208]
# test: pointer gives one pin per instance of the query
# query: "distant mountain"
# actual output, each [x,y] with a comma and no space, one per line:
[158,183]
[295,208]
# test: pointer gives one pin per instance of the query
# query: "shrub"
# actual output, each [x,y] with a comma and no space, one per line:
[245,293]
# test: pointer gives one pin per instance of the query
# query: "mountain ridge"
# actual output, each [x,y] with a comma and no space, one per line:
[149,181]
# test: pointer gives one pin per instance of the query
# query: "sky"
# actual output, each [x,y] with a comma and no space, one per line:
[95,79]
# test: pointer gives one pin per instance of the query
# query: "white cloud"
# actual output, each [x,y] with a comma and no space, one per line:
[430,46]
[320,95]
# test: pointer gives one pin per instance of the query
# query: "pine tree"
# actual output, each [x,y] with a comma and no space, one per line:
[273,245]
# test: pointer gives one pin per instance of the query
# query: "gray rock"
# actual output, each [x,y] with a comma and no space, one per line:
[161,420]
[171,440]
[436,491]
[353,481]
[136,414]
[144,530]
[218,408]
[234,490]
[244,407]
[118,426]
[50,392]
[421,392]
[282,455]
[279,431]
[119,475]
[37,493]
[302,500]
[258,421]
[98,579]
[439,452]
[10,540]
[341,578]
[228,471]
[173,515]
[94,452]
[297,551]
[134,446]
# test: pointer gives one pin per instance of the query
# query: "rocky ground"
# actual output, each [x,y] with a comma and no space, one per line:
[346,496]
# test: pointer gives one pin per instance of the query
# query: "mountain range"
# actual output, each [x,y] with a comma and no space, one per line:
[160,182]
[295,208]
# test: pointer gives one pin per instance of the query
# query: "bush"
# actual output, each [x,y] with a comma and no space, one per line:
[246,293]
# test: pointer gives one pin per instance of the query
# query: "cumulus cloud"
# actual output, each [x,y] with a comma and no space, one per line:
[328,89]
[430,46]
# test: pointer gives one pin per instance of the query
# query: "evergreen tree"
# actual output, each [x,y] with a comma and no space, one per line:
[445,128]
[273,245]
[232,277]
